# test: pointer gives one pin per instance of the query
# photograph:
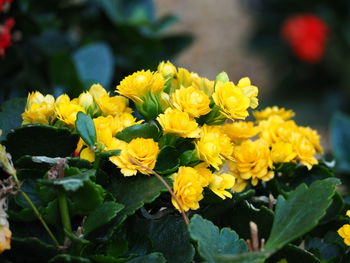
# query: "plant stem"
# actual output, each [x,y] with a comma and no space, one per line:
[37,213]
[62,202]
[187,222]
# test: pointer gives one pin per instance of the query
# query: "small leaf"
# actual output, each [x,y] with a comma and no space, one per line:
[86,128]
[212,242]
[101,216]
[301,212]
[167,161]
[252,257]
[292,253]
[70,183]
[108,154]
[144,130]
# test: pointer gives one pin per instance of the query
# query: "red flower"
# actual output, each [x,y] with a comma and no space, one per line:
[307,35]
[5,35]
[2,2]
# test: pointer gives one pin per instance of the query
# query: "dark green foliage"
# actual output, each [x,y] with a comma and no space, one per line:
[60,51]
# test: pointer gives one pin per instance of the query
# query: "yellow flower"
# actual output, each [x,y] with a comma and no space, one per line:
[313,137]
[139,150]
[187,188]
[205,174]
[86,100]
[282,152]
[231,100]
[220,183]
[178,122]
[113,105]
[5,238]
[240,185]
[123,121]
[183,78]
[240,130]
[39,109]
[249,91]
[97,91]
[203,84]
[304,149]
[140,83]
[105,129]
[87,154]
[273,111]
[167,69]
[348,213]
[191,100]
[213,146]
[252,161]
[344,232]
[67,110]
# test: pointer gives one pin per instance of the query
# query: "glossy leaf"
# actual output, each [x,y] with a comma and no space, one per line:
[144,130]
[167,161]
[302,210]
[41,140]
[101,216]
[213,242]
[86,128]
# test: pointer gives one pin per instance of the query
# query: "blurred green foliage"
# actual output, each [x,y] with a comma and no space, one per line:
[65,45]
[324,86]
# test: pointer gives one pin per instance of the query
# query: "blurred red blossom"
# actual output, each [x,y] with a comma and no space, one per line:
[307,35]
[5,35]
[3,2]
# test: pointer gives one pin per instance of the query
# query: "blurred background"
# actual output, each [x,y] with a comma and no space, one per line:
[297,52]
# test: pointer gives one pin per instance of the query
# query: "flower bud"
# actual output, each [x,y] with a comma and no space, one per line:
[167,69]
[86,100]
[222,77]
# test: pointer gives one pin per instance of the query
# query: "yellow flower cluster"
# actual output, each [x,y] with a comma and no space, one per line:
[226,152]
[344,231]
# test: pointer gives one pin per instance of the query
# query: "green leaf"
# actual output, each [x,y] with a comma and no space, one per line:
[151,258]
[144,130]
[212,242]
[86,198]
[292,253]
[134,192]
[41,140]
[108,154]
[300,212]
[169,236]
[324,250]
[10,115]
[70,183]
[66,258]
[95,63]
[101,216]
[30,250]
[167,161]
[86,128]
[251,257]
[340,140]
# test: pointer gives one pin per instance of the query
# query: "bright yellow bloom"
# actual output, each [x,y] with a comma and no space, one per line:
[39,108]
[105,129]
[167,69]
[140,83]
[5,238]
[191,100]
[187,188]
[282,152]
[97,91]
[203,84]
[205,174]
[67,110]
[183,78]
[231,100]
[139,150]
[252,161]
[313,137]
[113,105]
[344,232]
[87,154]
[273,111]
[178,122]
[220,183]
[123,121]
[240,185]
[240,130]
[249,91]
[213,146]
[304,149]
